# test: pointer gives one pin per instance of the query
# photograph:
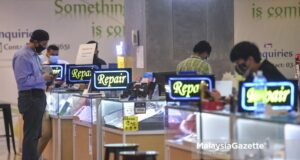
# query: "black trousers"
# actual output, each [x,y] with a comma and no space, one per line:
[32,104]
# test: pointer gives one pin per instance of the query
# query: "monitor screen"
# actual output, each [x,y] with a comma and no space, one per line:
[79,73]
[280,95]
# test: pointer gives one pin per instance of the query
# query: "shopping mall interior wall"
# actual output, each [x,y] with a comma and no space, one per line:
[173,27]
[274,26]
[135,20]
[69,23]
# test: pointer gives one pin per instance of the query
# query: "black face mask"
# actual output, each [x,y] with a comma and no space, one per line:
[241,69]
[39,48]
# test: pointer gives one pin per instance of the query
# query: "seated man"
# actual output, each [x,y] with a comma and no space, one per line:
[247,59]
[197,61]
[96,60]
[53,56]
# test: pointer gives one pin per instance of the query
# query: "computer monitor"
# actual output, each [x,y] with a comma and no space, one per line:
[161,78]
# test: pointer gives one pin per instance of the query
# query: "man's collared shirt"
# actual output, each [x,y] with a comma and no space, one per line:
[28,69]
[194,63]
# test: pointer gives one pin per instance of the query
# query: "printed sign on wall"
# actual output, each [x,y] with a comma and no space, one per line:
[280,95]
[116,79]
[79,73]
[69,23]
[188,88]
[273,27]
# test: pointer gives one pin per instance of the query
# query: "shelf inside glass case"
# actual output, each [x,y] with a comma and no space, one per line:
[182,126]
[86,107]
[151,117]
[60,102]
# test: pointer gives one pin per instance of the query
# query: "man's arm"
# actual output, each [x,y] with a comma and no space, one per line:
[205,69]
[23,71]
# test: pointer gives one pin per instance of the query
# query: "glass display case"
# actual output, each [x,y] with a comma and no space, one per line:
[279,136]
[149,113]
[216,129]
[85,107]
[182,125]
[60,102]
[260,136]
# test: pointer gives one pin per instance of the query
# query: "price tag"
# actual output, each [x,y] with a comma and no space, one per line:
[140,108]
[131,123]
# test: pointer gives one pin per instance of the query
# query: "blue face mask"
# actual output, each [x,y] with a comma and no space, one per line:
[53,59]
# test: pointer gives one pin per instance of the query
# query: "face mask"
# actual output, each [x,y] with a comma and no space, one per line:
[241,69]
[53,59]
[39,48]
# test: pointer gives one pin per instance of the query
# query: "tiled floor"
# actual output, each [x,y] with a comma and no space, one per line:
[4,155]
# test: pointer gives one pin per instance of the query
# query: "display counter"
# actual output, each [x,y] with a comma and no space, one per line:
[140,122]
[185,132]
[84,126]
[60,108]
[189,134]
[279,134]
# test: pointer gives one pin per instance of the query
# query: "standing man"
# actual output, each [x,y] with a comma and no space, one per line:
[52,56]
[197,61]
[31,83]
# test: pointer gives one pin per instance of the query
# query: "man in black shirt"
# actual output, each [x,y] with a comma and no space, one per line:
[247,59]
[97,61]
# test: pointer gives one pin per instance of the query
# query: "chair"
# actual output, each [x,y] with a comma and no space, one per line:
[139,155]
[116,148]
[8,123]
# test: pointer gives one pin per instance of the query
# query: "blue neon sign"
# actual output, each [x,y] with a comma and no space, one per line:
[116,79]
[58,69]
[280,95]
[188,88]
[80,73]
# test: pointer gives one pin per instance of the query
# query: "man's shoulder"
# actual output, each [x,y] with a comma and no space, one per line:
[186,60]
[99,61]
[22,52]
[266,65]
[271,72]
[61,61]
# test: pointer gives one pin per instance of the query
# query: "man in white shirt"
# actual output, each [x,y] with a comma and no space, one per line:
[52,56]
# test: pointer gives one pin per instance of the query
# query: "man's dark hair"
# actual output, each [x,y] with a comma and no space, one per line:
[52,47]
[39,35]
[92,42]
[202,46]
[244,50]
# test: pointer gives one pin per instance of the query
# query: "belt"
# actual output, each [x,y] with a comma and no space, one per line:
[35,90]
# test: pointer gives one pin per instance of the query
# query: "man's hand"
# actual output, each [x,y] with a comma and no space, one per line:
[216,95]
[48,77]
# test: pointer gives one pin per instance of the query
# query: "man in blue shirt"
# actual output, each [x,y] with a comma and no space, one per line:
[31,83]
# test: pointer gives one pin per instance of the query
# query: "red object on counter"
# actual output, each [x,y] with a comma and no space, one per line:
[212,105]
